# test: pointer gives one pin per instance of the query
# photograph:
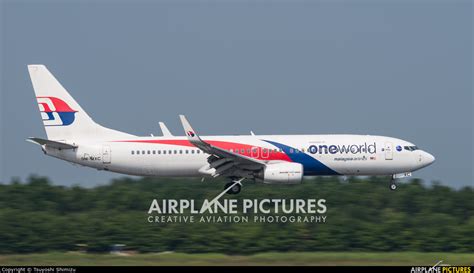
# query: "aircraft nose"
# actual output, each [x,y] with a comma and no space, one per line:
[431,158]
[428,158]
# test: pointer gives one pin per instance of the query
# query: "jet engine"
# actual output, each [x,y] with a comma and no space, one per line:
[282,173]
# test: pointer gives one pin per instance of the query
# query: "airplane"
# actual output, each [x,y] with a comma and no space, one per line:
[73,136]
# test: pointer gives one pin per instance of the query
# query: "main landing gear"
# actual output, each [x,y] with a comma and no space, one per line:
[233,187]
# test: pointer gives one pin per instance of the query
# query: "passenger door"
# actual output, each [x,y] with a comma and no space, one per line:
[388,150]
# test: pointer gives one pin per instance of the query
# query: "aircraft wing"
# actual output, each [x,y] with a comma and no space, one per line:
[222,160]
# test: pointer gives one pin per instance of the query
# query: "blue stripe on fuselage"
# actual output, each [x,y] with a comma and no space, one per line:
[311,165]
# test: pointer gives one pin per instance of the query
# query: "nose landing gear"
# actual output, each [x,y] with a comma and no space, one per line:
[393,183]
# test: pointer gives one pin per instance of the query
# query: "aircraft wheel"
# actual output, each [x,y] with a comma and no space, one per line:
[234,190]
[393,186]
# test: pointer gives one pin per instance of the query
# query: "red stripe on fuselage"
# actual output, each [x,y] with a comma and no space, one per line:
[249,150]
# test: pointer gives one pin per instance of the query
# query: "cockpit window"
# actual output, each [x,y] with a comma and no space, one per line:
[410,148]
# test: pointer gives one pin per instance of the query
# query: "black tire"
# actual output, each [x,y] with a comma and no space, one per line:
[393,186]
[234,190]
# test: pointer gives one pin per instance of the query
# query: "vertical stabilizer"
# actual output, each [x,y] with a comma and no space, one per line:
[63,118]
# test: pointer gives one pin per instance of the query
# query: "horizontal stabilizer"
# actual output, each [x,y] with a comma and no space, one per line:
[51,143]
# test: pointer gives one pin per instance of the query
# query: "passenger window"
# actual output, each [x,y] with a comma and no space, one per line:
[242,151]
[148,151]
[164,152]
[154,152]
[159,151]
[143,152]
[133,152]
[192,151]
[170,152]
[187,151]
[180,151]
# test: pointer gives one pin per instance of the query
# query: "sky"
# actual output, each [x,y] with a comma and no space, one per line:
[392,68]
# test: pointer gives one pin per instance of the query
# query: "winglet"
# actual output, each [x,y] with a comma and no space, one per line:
[213,150]
[165,130]
[189,131]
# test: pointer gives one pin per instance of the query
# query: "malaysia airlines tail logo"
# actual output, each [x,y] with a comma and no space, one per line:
[191,134]
[55,112]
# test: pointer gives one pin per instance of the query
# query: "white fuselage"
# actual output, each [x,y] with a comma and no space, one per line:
[72,135]
[319,154]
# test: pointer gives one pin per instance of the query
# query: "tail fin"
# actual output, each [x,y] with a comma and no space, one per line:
[63,117]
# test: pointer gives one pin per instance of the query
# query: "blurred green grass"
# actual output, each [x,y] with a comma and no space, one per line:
[212,259]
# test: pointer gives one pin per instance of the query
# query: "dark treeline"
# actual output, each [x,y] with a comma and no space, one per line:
[362,215]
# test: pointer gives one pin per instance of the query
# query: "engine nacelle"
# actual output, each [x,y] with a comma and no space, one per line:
[282,173]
